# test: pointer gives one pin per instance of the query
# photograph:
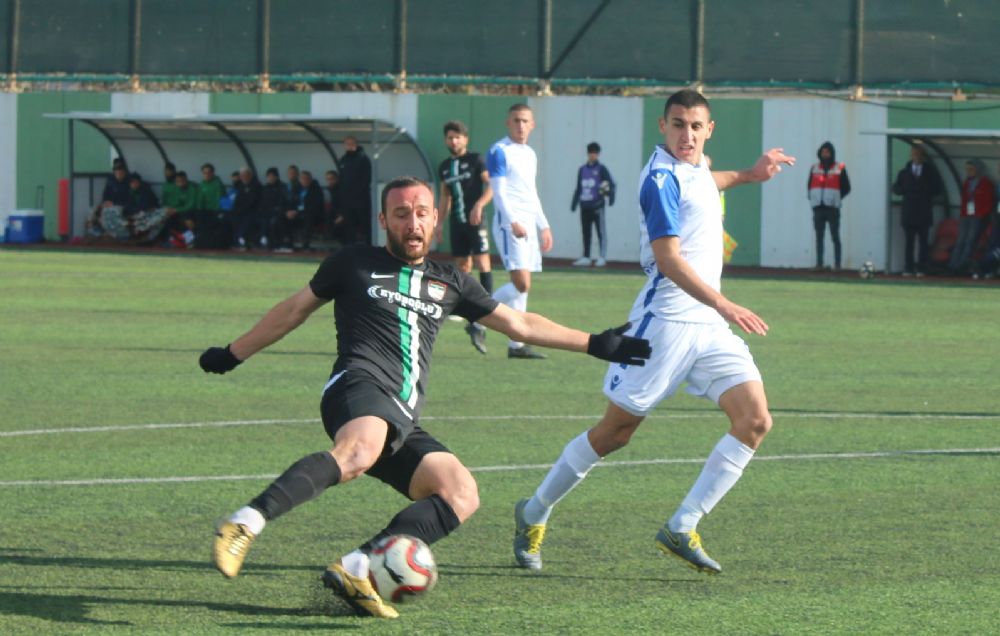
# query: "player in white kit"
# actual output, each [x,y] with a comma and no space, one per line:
[519,224]
[683,314]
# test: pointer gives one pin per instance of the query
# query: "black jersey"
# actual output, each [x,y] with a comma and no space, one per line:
[388,314]
[464,178]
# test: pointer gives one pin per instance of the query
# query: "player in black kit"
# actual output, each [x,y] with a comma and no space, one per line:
[465,193]
[389,304]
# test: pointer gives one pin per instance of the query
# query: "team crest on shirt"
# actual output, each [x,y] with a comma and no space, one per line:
[436,290]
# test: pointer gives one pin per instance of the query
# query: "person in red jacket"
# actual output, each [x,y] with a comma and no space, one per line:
[978,200]
[827,186]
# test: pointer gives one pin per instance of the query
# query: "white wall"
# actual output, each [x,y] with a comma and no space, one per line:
[8,154]
[399,109]
[564,127]
[800,125]
[160,103]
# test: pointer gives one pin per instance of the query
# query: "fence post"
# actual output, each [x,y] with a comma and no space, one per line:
[857,90]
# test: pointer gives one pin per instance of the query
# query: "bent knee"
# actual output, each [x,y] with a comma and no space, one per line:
[752,429]
[462,496]
[355,459]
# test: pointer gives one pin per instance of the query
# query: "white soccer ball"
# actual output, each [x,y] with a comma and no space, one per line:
[402,567]
[867,270]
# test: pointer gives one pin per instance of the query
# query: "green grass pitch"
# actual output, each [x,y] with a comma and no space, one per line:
[837,526]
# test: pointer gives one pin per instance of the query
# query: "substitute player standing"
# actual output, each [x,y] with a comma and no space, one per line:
[518,222]
[390,303]
[465,192]
[684,315]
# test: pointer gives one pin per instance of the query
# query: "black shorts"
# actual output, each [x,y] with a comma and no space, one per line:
[355,395]
[468,240]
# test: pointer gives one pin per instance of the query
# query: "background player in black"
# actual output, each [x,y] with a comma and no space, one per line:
[465,193]
[389,305]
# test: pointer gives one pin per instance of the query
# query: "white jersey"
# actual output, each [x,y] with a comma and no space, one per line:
[682,200]
[512,168]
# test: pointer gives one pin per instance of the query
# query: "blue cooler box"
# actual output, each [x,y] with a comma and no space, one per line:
[25,226]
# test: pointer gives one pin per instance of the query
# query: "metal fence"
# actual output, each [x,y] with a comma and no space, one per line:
[587,43]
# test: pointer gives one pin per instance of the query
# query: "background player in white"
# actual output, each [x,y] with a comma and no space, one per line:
[684,315]
[519,222]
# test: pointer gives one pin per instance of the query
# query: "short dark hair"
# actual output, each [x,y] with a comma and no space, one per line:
[518,107]
[293,167]
[181,173]
[270,171]
[209,166]
[135,176]
[403,182]
[594,147]
[234,173]
[686,98]
[333,172]
[170,165]
[306,173]
[456,126]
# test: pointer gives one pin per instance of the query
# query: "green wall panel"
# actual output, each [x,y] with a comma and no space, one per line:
[735,144]
[43,147]
[266,103]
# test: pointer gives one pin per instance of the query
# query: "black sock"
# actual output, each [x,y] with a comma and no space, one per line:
[428,519]
[486,280]
[303,480]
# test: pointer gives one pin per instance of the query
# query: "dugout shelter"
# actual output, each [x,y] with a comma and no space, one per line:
[229,142]
[949,149]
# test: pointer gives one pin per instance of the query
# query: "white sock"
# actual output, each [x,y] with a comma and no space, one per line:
[506,294]
[356,564]
[577,458]
[519,303]
[722,470]
[251,518]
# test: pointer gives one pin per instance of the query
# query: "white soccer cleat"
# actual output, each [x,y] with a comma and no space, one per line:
[583,261]
[600,262]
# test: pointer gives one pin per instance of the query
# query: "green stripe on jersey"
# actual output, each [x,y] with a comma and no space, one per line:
[405,335]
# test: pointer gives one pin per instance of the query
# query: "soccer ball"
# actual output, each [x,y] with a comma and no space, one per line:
[402,567]
[604,189]
[867,270]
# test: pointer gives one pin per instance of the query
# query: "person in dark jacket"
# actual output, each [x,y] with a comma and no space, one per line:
[116,190]
[273,203]
[245,205]
[594,188]
[300,220]
[354,192]
[919,182]
[141,197]
[827,186]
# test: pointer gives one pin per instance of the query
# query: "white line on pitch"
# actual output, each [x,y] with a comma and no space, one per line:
[515,467]
[667,415]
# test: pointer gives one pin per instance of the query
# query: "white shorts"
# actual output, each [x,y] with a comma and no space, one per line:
[709,357]
[518,253]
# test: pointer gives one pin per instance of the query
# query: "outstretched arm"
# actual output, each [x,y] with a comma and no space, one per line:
[611,345]
[275,325]
[768,165]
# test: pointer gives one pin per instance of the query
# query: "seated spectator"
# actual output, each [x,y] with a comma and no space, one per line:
[169,173]
[212,227]
[115,194]
[299,221]
[987,265]
[245,207]
[293,187]
[273,204]
[180,201]
[229,198]
[144,216]
[978,202]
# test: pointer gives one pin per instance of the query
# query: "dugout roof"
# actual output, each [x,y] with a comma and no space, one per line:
[259,141]
[950,146]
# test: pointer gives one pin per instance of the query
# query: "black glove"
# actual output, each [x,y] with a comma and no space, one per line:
[612,345]
[218,360]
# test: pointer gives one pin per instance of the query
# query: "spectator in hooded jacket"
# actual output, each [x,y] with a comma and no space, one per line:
[273,203]
[827,186]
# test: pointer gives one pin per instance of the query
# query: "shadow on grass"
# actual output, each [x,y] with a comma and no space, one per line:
[451,570]
[75,609]
[324,354]
[7,558]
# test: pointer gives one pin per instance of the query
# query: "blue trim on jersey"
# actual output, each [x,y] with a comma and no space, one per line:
[659,199]
[503,234]
[496,161]
[652,289]
[643,325]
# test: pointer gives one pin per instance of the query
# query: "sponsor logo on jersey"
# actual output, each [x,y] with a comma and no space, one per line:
[462,176]
[374,275]
[436,290]
[431,310]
